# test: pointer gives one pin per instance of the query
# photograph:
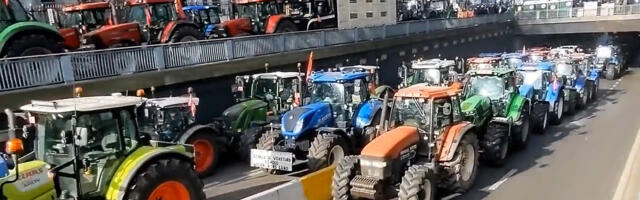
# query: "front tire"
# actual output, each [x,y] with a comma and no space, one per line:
[345,171]
[166,179]
[558,113]
[207,153]
[326,149]
[572,102]
[186,34]
[540,117]
[248,141]
[496,143]
[418,183]
[521,137]
[466,166]
[32,44]
[268,142]
[610,74]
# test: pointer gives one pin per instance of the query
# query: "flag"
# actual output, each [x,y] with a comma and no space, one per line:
[309,65]
[192,105]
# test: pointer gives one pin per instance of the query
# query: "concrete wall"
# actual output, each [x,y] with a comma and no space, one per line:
[365,13]
[588,24]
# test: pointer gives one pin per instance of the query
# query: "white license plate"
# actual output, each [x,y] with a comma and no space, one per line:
[272,159]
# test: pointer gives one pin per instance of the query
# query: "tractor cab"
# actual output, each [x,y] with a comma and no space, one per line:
[164,119]
[341,91]
[312,14]
[255,17]
[514,60]
[373,78]
[161,21]
[87,16]
[434,72]
[281,90]
[534,78]
[208,17]
[496,85]
[483,63]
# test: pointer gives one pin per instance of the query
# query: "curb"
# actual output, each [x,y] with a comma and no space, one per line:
[314,186]
[628,185]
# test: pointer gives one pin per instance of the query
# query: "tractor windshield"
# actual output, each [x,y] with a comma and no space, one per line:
[411,112]
[264,88]
[90,18]
[163,123]
[488,86]
[55,131]
[258,11]
[564,69]
[136,14]
[532,78]
[332,93]
[429,76]
[162,13]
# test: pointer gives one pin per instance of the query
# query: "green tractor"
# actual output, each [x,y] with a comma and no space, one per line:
[267,97]
[90,148]
[492,101]
[20,35]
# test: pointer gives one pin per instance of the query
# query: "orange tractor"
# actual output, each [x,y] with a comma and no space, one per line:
[144,22]
[429,146]
[259,17]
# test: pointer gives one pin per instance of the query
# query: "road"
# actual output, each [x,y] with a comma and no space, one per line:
[582,158]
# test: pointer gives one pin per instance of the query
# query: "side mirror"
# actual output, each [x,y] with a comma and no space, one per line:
[82,135]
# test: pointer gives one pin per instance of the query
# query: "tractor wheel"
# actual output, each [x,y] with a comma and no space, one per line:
[610,74]
[466,163]
[344,172]
[540,114]
[495,143]
[418,183]
[521,136]
[286,26]
[268,142]
[32,44]
[248,141]
[207,152]
[595,90]
[572,103]
[186,34]
[166,179]
[558,114]
[584,98]
[325,150]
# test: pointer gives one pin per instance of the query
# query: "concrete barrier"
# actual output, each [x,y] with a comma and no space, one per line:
[314,186]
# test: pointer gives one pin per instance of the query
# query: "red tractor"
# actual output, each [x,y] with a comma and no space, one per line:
[258,17]
[145,22]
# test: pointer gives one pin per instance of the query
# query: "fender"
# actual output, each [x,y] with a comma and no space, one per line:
[71,38]
[367,112]
[451,140]
[235,27]
[273,22]
[319,20]
[515,108]
[110,35]
[30,27]
[129,168]
[526,91]
[194,129]
[167,31]
[552,94]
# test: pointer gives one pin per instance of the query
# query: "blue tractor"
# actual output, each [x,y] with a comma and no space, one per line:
[208,18]
[340,118]
[537,82]
[579,80]
[514,60]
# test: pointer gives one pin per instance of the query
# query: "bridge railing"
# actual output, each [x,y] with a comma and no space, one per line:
[578,12]
[66,68]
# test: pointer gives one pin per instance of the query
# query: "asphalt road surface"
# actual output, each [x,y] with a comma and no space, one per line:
[582,158]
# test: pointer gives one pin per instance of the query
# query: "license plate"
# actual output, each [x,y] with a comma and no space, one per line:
[272,159]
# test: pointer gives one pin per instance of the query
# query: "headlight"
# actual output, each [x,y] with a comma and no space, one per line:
[553,7]
[298,126]
[543,5]
[373,163]
[372,168]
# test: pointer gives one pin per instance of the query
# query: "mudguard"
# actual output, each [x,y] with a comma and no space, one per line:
[593,75]
[515,107]
[476,109]
[309,117]
[451,140]
[25,27]
[367,112]
[390,144]
[580,83]
[273,22]
[237,27]
[553,93]
[113,34]
[34,183]
[129,168]
[526,91]
[71,38]
[182,139]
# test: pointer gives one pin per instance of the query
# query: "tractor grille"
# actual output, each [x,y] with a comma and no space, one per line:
[366,187]
[292,117]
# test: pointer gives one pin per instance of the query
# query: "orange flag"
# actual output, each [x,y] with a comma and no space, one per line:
[309,65]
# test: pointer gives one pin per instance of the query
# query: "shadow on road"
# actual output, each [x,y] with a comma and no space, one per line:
[539,146]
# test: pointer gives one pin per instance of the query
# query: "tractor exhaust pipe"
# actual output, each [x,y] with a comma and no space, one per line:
[383,115]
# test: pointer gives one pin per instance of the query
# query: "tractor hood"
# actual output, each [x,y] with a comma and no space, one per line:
[475,107]
[231,115]
[306,118]
[33,182]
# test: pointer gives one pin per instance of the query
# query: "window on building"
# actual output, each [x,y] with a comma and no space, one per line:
[354,15]
[369,14]
[369,1]
[353,1]
[383,14]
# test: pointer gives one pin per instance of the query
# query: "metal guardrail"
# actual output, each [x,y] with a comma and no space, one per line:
[578,12]
[25,72]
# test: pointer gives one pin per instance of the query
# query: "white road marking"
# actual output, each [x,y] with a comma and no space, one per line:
[255,172]
[557,134]
[501,181]
[454,195]
[627,171]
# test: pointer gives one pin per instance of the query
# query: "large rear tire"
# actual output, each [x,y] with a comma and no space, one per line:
[268,142]
[496,143]
[466,163]
[595,90]
[32,44]
[572,102]
[418,183]
[206,153]
[166,179]
[610,74]
[584,98]
[326,149]
[345,171]
[186,34]
[540,117]
[248,141]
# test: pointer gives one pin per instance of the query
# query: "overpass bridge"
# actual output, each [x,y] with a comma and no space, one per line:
[623,18]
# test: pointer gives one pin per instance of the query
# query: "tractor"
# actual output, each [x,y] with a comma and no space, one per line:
[538,83]
[339,120]
[577,87]
[491,100]
[429,146]
[514,60]
[482,63]
[269,96]
[90,147]
[434,72]
[208,18]
[161,21]
[85,18]
[20,35]
[375,87]
[609,61]
[258,17]
[312,14]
